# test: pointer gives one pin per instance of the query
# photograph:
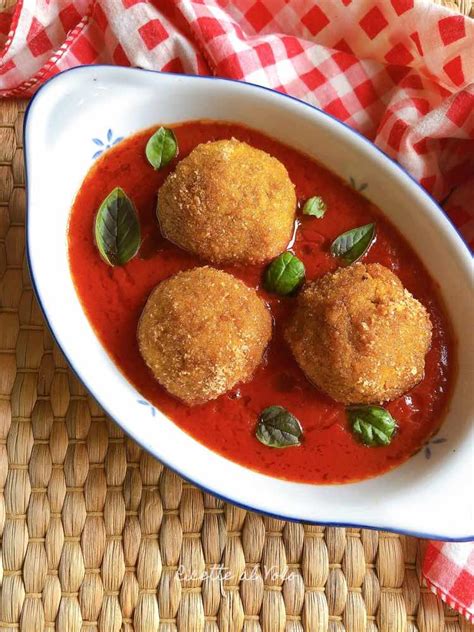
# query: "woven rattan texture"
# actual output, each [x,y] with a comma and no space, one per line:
[98,536]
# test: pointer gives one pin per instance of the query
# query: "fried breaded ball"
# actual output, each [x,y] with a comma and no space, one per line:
[359,335]
[201,332]
[228,202]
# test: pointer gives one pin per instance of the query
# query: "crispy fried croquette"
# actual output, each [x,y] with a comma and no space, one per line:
[228,202]
[359,335]
[201,332]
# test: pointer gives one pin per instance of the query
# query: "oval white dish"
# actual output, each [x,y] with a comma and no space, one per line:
[82,112]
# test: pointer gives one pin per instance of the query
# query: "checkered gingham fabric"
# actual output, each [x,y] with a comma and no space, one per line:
[399,71]
[449,571]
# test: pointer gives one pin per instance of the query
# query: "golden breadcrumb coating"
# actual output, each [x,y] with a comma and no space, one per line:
[359,335]
[201,332]
[228,202]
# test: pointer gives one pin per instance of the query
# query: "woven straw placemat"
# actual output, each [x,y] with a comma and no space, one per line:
[98,536]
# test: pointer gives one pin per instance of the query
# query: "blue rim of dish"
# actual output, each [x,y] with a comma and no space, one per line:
[417,534]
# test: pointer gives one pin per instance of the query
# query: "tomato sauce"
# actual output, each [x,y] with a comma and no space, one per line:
[113,299]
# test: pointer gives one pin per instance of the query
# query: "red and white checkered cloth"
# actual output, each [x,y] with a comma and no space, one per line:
[448,569]
[400,72]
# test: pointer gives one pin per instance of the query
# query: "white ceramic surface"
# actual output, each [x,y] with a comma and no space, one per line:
[425,496]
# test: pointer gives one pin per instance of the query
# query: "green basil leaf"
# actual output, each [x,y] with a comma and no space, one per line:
[117,229]
[372,425]
[278,428]
[161,148]
[284,274]
[353,244]
[315,206]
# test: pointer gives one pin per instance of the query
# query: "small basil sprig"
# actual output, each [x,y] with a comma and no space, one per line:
[161,148]
[353,244]
[315,206]
[284,274]
[278,428]
[372,425]
[117,229]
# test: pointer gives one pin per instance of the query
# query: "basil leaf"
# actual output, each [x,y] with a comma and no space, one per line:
[117,230]
[284,274]
[315,206]
[353,244]
[161,148]
[278,428]
[372,425]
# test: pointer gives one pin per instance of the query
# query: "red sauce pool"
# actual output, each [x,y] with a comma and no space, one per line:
[113,299]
